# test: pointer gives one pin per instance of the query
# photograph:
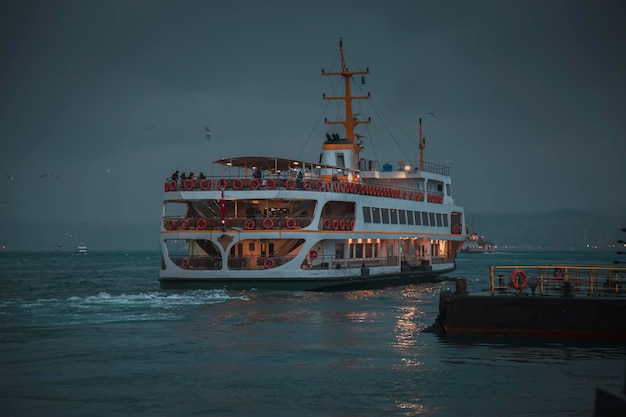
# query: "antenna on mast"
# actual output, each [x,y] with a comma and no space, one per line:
[422,145]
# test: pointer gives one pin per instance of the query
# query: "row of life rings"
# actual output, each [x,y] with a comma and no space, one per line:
[268,223]
[338,224]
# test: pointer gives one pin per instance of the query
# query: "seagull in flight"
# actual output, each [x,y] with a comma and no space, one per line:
[48,175]
[10,177]
[207,133]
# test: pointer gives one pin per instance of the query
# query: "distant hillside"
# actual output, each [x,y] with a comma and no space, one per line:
[557,229]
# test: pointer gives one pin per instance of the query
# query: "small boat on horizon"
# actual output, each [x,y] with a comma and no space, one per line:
[81,249]
[478,244]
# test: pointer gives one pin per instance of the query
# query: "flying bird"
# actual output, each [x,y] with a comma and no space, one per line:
[9,177]
[207,133]
[432,114]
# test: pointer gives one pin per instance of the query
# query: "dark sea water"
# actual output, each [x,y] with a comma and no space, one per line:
[95,336]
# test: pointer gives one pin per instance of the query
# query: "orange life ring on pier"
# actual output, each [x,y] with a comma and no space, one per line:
[268,223]
[184,263]
[238,184]
[205,184]
[515,276]
[184,224]
[306,185]
[201,224]
[167,186]
[290,184]
[335,224]
[327,224]
[188,185]
[249,224]
[270,184]
[312,254]
[220,184]
[269,263]
[254,183]
[319,185]
[291,223]
[171,224]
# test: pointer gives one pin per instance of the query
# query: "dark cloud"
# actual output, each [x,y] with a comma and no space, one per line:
[528,96]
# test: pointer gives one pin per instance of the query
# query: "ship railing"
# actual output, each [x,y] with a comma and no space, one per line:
[567,280]
[374,165]
[333,262]
[183,223]
[309,183]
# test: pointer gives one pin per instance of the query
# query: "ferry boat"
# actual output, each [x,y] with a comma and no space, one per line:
[478,244]
[343,222]
[81,249]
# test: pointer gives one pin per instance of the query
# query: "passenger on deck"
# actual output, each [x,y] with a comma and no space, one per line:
[183,176]
[175,176]
[201,176]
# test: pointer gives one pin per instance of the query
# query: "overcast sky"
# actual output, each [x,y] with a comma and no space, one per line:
[109,97]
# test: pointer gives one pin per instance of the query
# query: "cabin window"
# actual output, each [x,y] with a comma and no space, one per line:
[368,250]
[339,248]
[251,247]
[431,218]
[439,221]
[394,216]
[440,188]
[340,160]
[375,215]
[385,216]
[448,189]
[409,217]
[424,218]
[358,253]
[367,214]
[402,216]
[445,220]
[418,218]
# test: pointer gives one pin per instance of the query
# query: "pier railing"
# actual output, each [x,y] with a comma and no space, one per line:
[558,279]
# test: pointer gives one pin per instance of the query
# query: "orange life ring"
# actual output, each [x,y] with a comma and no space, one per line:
[269,263]
[559,273]
[319,185]
[270,184]
[201,224]
[290,184]
[220,184]
[249,224]
[171,224]
[167,186]
[184,263]
[184,224]
[335,224]
[312,254]
[188,185]
[342,224]
[254,183]
[205,184]
[515,279]
[335,186]
[306,185]
[268,223]
[326,224]
[342,187]
[238,184]
[351,224]
[173,186]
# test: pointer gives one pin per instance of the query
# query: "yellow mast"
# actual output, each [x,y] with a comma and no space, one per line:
[350,121]
[422,145]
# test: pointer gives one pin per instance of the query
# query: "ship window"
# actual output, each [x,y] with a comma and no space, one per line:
[251,247]
[431,218]
[409,216]
[375,215]
[402,216]
[418,218]
[439,187]
[439,222]
[448,189]
[340,160]
[394,216]
[424,218]
[385,216]
[445,220]
[368,250]
[339,248]
[367,214]
[359,251]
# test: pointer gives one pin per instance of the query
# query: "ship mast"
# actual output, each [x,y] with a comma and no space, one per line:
[422,145]
[350,121]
